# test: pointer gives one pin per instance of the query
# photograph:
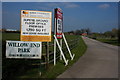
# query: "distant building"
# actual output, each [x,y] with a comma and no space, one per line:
[71,33]
[11,30]
[2,30]
[84,34]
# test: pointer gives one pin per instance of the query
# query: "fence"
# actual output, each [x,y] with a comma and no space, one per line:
[45,57]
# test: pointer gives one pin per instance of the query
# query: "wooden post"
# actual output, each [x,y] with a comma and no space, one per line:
[47,55]
[40,73]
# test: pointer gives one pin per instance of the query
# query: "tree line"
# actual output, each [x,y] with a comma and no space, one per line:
[114,33]
[80,31]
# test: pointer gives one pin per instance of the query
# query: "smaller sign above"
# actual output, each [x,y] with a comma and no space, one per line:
[20,49]
[59,22]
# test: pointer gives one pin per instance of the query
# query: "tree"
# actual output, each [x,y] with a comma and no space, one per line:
[83,30]
[78,32]
[114,32]
[88,31]
[108,34]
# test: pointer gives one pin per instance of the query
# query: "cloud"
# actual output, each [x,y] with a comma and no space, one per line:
[63,4]
[104,6]
[71,5]
[53,4]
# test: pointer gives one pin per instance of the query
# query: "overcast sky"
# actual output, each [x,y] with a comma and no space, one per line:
[98,16]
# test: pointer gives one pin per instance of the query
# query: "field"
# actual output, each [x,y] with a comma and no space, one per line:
[30,68]
[110,41]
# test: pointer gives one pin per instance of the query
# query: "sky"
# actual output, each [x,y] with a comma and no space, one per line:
[97,16]
[60,0]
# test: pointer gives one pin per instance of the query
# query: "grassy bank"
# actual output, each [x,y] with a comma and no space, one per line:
[54,71]
[110,41]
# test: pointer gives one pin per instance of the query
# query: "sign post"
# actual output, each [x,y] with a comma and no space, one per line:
[47,54]
[61,47]
[36,26]
[59,25]
[57,30]
[58,34]
[54,41]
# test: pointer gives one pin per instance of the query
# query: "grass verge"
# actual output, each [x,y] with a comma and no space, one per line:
[54,71]
[110,41]
[26,70]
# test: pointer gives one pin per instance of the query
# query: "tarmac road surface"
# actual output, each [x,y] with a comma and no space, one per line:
[99,61]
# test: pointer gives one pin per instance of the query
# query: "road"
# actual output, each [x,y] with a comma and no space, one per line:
[99,61]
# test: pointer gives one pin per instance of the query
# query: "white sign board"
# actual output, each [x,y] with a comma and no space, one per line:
[36,25]
[59,22]
[21,49]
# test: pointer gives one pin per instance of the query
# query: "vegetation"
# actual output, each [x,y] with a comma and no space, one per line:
[110,37]
[54,71]
[110,41]
[108,34]
[28,68]
[80,31]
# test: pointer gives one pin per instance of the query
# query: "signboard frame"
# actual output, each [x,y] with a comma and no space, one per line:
[58,15]
[36,38]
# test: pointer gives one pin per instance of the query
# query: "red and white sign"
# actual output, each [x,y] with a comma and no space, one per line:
[59,22]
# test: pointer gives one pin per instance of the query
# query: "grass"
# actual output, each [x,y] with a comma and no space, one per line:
[110,41]
[26,70]
[10,36]
[54,71]
[60,68]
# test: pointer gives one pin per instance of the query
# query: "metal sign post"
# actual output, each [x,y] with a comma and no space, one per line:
[54,52]
[58,34]
[58,24]
[61,47]
[54,41]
